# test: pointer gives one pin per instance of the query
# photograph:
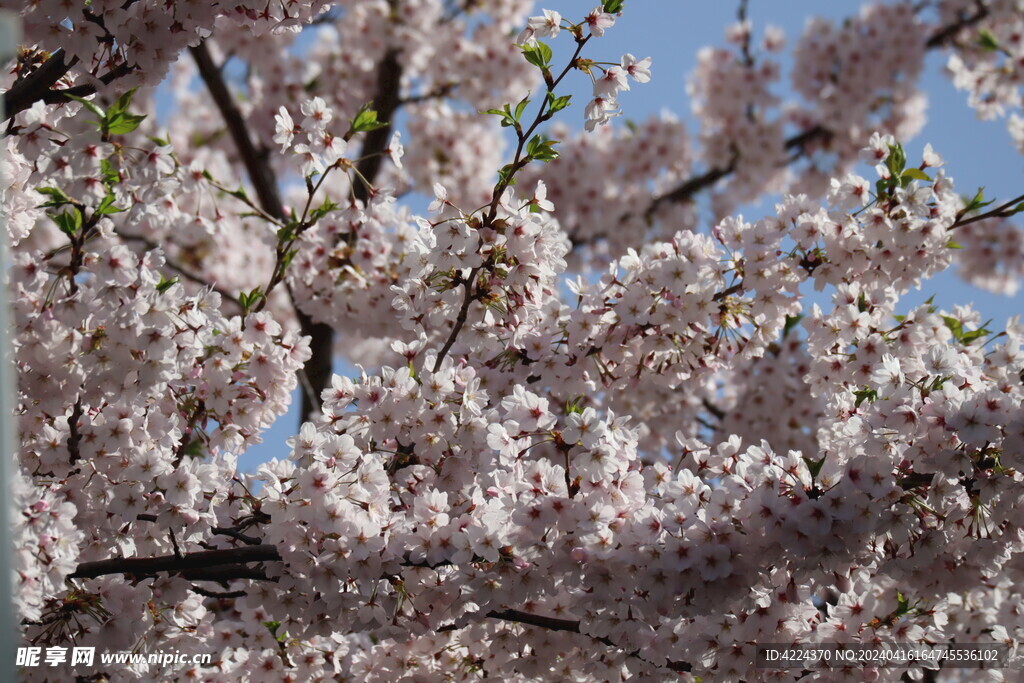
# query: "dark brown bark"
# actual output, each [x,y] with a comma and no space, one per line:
[192,565]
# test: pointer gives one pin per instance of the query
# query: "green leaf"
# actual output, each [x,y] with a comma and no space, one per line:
[95,109]
[194,449]
[974,335]
[897,160]
[56,195]
[539,55]
[902,604]
[987,40]
[366,120]
[69,222]
[574,404]
[107,207]
[288,232]
[612,6]
[955,326]
[978,202]
[322,210]
[165,284]
[914,174]
[965,336]
[814,466]
[540,149]
[791,322]
[506,175]
[954,245]
[122,103]
[288,257]
[111,176]
[557,104]
[121,123]
[521,107]
[238,194]
[862,395]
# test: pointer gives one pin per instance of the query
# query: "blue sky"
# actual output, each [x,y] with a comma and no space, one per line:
[978,153]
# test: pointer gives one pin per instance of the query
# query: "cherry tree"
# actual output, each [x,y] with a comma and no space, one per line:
[592,434]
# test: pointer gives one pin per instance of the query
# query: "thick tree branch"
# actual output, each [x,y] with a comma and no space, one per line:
[192,565]
[944,35]
[386,103]
[255,159]
[37,86]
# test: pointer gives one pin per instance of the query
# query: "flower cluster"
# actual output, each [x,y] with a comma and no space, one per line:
[46,540]
[732,99]
[134,43]
[609,80]
[601,178]
[631,461]
[989,61]
[992,256]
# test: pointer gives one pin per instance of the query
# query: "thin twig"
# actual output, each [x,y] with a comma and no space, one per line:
[518,162]
[237,535]
[219,595]
[467,299]
[998,212]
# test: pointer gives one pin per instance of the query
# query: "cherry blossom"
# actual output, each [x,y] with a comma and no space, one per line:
[591,424]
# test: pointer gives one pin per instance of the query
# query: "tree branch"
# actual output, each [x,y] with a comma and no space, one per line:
[944,35]
[318,368]
[261,175]
[689,188]
[567,625]
[461,319]
[1002,211]
[254,158]
[37,86]
[192,565]
[219,595]
[386,103]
